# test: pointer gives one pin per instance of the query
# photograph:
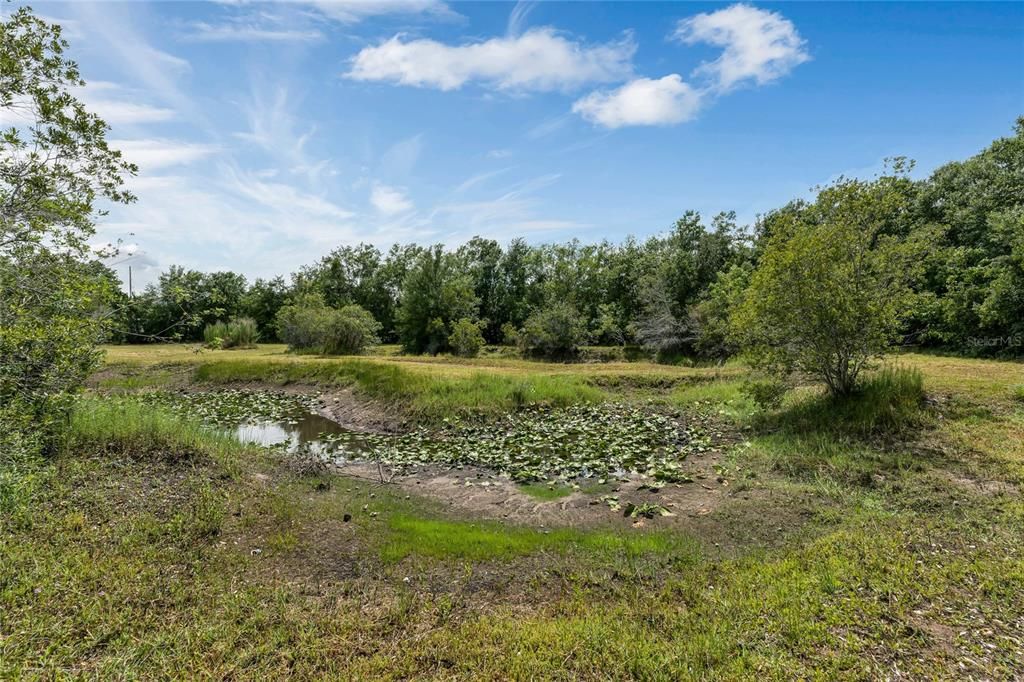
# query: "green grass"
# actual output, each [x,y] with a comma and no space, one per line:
[489,541]
[887,402]
[120,427]
[546,491]
[427,396]
[854,542]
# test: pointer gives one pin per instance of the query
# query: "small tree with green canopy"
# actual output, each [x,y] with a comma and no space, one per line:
[55,166]
[833,284]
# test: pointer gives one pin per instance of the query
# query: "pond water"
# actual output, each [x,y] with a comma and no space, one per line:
[308,431]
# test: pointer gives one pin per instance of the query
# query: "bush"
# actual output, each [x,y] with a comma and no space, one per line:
[348,331]
[555,333]
[242,332]
[466,338]
[766,394]
[310,325]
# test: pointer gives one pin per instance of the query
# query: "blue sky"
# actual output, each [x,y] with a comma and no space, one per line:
[268,134]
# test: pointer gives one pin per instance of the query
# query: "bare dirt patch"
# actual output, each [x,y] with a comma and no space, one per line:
[481,493]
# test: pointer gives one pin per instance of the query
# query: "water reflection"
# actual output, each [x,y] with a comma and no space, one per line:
[309,431]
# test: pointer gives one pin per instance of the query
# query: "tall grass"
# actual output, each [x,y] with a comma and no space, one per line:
[886,402]
[420,395]
[127,428]
[241,332]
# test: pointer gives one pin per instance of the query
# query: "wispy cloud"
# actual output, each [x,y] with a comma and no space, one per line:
[479,179]
[389,200]
[151,154]
[277,129]
[117,105]
[517,17]
[250,31]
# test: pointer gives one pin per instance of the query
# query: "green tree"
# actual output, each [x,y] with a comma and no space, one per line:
[261,302]
[555,332]
[466,339]
[833,284]
[435,294]
[55,167]
[973,299]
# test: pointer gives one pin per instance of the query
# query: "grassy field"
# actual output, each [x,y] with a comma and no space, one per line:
[882,537]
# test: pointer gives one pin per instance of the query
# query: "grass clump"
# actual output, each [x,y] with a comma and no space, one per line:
[887,402]
[125,427]
[241,332]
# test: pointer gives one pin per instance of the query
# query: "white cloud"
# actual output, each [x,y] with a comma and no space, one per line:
[540,59]
[250,31]
[759,45]
[149,154]
[389,201]
[643,101]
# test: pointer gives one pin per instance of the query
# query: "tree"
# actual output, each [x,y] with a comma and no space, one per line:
[262,301]
[833,284]
[435,294]
[972,280]
[466,339]
[309,324]
[555,332]
[55,165]
[481,259]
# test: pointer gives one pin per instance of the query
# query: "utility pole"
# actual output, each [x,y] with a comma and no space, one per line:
[130,282]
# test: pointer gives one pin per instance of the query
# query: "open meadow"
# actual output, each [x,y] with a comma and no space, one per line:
[876,537]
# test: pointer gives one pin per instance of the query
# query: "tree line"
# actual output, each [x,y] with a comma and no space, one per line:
[820,287]
[673,294]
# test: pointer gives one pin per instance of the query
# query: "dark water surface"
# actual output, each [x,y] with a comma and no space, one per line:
[306,431]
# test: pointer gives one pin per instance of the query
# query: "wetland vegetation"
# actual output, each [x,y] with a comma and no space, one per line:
[778,462]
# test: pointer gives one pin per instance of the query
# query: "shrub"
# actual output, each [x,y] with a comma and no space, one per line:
[242,332]
[466,338]
[299,323]
[766,394]
[348,331]
[310,325]
[555,333]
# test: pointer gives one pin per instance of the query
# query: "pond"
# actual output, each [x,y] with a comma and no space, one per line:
[303,430]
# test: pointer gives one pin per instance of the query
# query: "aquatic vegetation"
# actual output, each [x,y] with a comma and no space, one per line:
[535,444]
[229,408]
[531,444]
